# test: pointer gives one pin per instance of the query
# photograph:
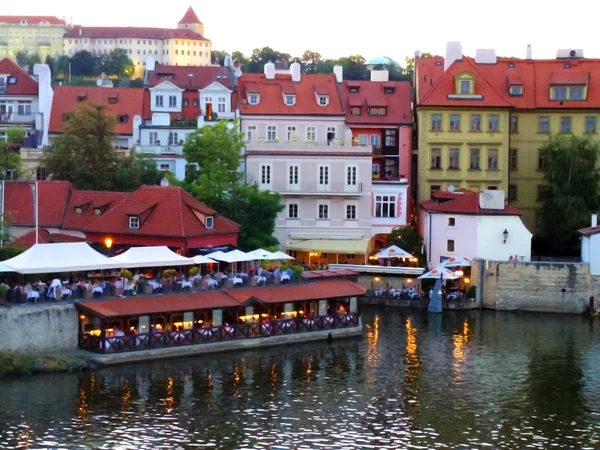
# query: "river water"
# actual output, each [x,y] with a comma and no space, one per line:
[468,380]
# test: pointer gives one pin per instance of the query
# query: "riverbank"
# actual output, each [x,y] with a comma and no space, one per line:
[19,364]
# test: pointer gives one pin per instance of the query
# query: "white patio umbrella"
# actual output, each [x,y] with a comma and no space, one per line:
[393,251]
[439,272]
[236,256]
[219,255]
[203,260]
[281,256]
[456,261]
[260,254]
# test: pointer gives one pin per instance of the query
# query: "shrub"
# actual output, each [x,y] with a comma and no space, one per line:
[126,274]
[297,272]
[9,252]
[194,271]
[284,267]
[169,273]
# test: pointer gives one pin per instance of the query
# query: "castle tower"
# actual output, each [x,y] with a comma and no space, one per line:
[190,21]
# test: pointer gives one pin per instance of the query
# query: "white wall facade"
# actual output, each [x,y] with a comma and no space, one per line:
[220,98]
[384,220]
[590,252]
[490,238]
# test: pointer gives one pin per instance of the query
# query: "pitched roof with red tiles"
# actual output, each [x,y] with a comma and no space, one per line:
[19,203]
[536,77]
[81,210]
[589,231]
[24,84]
[201,76]
[79,31]
[466,202]
[118,101]
[44,237]
[428,71]
[190,17]
[32,20]
[395,95]
[163,211]
[307,90]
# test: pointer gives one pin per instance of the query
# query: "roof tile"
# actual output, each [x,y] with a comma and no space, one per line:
[25,84]
[372,93]
[464,201]
[79,31]
[32,20]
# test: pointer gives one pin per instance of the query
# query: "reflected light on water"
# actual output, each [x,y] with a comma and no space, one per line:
[460,341]
[168,402]
[372,339]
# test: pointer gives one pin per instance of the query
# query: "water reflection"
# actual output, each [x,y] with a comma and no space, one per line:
[459,379]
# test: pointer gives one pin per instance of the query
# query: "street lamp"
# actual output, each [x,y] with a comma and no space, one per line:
[108,242]
[505,234]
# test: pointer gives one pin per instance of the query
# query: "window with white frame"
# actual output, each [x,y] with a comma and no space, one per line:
[323,175]
[24,109]
[159,101]
[311,134]
[153,137]
[134,222]
[172,101]
[221,102]
[450,245]
[323,211]
[165,167]
[290,133]
[265,174]
[323,100]
[350,212]
[385,206]
[173,138]
[209,222]
[253,99]
[363,139]
[292,211]
[294,175]
[250,132]
[375,140]
[290,100]
[351,175]
[271,133]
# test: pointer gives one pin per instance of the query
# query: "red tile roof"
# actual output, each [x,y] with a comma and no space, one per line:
[44,237]
[333,273]
[52,20]
[223,299]
[371,93]
[202,77]
[190,17]
[79,31]
[589,231]
[88,201]
[272,100]
[25,84]
[19,203]
[130,103]
[464,201]
[536,76]
[428,71]
[163,211]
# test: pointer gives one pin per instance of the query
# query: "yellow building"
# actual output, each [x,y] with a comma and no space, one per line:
[41,35]
[483,122]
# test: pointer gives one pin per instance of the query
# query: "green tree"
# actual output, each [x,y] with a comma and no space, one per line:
[16,136]
[218,56]
[117,63]
[61,65]
[217,183]
[135,170]
[310,60]
[10,161]
[50,62]
[22,58]
[408,239]
[83,63]
[573,182]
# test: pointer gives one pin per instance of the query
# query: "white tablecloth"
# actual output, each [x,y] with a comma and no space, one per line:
[285,276]
[237,281]
[261,279]
[33,294]
[98,289]
[185,284]
[128,287]
[212,283]
[67,292]
[155,284]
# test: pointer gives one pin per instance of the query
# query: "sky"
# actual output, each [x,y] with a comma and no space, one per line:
[335,28]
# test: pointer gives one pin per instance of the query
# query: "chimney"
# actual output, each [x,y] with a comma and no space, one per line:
[338,71]
[270,71]
[164,182]
[485,56]
[296,72]
[529,54]
[453,53]
[380,75]
[594,219]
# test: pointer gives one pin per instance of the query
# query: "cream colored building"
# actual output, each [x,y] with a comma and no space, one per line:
[34,34]
[181,46]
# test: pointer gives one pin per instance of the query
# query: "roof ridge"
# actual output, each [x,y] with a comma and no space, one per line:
[488,82]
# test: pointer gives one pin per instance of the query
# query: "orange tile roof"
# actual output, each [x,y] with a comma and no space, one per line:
[202,76]
[44,237]
[428,71]
[190,17]
[130,102]
[36,20]
[272,101]
[19,202]
[536,76]
[79,31]
[25,84]
[88,201]
[371,93]
[464,201]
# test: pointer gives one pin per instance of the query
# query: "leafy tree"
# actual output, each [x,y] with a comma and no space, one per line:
[217,183]
[573,183]
[117,63]
[311,61]
[61,65]
[83,63]
[137,83]
[22,58]
[218,56]
[83,154]
[10,161]
[260,57]
[408,239]
[50,62]
[15,136]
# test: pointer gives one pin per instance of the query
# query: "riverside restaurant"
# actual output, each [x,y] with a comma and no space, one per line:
[196,318]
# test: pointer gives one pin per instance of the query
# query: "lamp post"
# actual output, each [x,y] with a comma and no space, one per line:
[108,242]
[505,234]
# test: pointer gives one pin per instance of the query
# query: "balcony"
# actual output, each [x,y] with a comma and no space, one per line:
[390,180]
[161,149]
[262,145]
[22,119]
[313,188]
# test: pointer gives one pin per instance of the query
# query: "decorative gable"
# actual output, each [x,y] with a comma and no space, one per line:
[166,97]
[464,86]
[215,98]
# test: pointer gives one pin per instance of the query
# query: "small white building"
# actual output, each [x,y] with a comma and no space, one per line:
[474,225]
[590,245]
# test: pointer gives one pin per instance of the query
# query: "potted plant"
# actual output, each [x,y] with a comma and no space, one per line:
[126,274]
[169,273]
[297,272]
[194,271]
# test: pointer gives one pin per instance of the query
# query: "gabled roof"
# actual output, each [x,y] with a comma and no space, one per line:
[190,17]
[79,31]
[89,201]
[372,93]
[44,237]
[129,102]
[19,202]
[168,211]
[24,85]
[428,71]
[201,76]
[464,201]
[271,98]
[32,20]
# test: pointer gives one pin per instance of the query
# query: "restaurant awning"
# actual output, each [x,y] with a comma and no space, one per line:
[349,246]
[157,256]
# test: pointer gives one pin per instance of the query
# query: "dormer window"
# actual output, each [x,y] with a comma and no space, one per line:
[515,90]
[113,99]
[323,100]
[290,100]
[353,89]
[389,90]
[254,99]
[465,87]
[78,210]
[210,222]
[134,222]
[97,211]
[377,111]
[356,111]
[122,119]
[574,93]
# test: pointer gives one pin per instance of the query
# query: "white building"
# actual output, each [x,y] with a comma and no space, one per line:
[590,245]
[298,146]
[182,46]
[474,225]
